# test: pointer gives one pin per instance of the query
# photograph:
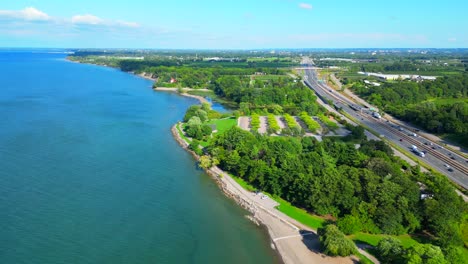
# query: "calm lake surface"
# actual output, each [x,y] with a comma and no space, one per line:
[89,173]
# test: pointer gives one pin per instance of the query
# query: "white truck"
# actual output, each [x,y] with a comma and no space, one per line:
[417,151]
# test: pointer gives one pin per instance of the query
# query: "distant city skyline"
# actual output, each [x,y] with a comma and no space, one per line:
[241,24]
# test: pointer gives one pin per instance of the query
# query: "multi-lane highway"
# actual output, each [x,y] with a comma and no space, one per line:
[435,155]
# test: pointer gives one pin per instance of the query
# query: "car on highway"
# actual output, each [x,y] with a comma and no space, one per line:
[401,139]
[450,169]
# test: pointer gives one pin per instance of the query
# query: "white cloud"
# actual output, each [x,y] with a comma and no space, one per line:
[452,40]
[32,14]
[87,20]
[127,24]
[305,6]
[27,14]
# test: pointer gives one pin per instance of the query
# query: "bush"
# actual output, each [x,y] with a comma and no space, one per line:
[255,122]
[390,250]
[330,124]
[194,145]
[273,124]
[290,121]
[349,224]
[425,253]
[334,242]
[311,124]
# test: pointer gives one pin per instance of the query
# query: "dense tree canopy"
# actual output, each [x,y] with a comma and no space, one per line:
[438,106]
[334,242]
[368,189]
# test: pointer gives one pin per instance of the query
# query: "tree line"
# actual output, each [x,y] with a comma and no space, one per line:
[364,189]
[438,106]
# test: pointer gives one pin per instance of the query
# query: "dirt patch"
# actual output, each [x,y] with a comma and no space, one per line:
[244,123]
[263,125]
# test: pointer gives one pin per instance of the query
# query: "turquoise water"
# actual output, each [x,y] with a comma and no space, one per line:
[89,173]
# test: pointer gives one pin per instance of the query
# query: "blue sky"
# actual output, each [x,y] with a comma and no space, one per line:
[239,24]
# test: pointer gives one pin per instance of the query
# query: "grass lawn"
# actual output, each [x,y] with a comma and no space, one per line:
[300,215]
[223,124]
[243,183]
[181,134]
[373,240]
[285,207]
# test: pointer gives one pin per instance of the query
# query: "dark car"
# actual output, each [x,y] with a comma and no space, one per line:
[453,158]
[450,169]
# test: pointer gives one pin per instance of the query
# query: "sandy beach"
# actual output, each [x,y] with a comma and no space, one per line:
[294,242]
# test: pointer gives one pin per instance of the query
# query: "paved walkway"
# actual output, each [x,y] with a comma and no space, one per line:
[296,242]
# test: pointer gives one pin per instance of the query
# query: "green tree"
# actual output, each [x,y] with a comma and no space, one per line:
[334,242]
[390,251]
[205,162]
[425,254]
[350,224]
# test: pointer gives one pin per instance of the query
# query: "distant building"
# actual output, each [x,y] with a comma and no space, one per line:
[372,83]
[392,77]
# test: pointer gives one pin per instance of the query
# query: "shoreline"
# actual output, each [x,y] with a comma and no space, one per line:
[291,240]
[145,75]
[175,90]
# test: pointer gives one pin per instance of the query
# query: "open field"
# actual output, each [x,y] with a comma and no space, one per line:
[223,124]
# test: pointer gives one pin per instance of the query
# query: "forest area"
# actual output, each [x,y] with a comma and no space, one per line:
[362,190]
[439,106]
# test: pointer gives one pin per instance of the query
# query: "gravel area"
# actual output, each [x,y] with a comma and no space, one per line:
[244,123]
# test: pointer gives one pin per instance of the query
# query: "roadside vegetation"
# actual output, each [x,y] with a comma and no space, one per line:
[439,106]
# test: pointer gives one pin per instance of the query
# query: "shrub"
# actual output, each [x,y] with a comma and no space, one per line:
[273,124]
[390,250]
[334,242]
[290,121]
[349,224]
[330,124]
[311,124]
[255,122]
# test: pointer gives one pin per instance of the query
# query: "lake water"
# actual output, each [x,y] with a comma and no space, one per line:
[89,173]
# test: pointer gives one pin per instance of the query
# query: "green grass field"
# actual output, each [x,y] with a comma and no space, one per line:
[223,124]
[300,215]
[243,183]
[406,240]
[446,101]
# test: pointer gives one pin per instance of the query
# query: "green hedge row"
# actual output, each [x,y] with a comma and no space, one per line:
[311,124]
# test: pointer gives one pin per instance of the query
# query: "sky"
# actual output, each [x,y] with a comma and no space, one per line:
[239,24]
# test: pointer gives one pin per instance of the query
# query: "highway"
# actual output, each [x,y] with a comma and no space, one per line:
[443,160]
